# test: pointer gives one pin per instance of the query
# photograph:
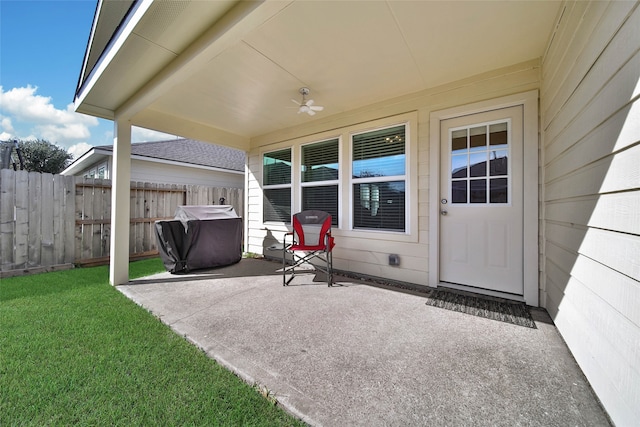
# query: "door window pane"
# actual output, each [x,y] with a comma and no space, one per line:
[459,192]
[478,138]
[478,164]
[498,190]
[459,140]
[499,163]
[478,191]
[459,166]
[498,135]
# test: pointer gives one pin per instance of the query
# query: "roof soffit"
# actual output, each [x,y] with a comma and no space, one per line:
[239,76]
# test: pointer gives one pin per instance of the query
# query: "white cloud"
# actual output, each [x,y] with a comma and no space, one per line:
[36,115]
[5,123]
[78,150]
[139,134]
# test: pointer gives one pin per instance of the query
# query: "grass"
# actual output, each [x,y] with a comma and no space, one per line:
[75,351]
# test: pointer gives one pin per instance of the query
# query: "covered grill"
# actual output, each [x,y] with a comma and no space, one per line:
[200,237]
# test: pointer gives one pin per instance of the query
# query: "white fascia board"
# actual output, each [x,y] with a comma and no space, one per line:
[131,21]
[87,159]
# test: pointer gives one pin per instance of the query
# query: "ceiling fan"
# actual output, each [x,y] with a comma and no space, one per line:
[307,105]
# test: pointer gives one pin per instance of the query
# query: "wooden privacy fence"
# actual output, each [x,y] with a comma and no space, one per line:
[51,220]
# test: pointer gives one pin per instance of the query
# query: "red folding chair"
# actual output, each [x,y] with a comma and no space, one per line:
[311,235]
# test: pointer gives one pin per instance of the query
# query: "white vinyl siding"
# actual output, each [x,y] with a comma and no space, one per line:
[145,171]
[591,276]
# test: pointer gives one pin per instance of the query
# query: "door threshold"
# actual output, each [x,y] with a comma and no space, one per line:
[481,291]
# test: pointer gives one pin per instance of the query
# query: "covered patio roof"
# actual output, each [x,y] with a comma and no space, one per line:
[225,71]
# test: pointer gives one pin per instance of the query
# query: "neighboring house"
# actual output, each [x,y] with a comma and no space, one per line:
[413,94]
[177,161]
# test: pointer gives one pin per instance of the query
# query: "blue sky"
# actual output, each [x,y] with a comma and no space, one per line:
[42,46]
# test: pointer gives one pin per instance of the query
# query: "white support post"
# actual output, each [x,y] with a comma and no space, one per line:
[120,203]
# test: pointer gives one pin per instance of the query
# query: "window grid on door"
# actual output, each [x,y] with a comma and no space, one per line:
[480,169]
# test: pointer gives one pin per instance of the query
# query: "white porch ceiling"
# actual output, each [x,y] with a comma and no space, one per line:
[234,66]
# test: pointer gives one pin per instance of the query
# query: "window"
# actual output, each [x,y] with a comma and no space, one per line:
[320,177]
[379,179]
[276,179]
[480,164]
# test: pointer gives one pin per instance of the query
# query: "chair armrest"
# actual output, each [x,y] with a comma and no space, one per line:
[329,242]
[284,240]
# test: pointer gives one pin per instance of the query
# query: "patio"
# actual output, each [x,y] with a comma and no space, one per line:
[359,354]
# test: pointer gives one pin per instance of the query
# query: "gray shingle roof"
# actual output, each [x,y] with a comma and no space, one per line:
[189,151]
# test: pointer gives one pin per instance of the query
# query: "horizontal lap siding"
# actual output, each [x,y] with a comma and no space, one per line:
[370,256]
[590,113]
[186,175]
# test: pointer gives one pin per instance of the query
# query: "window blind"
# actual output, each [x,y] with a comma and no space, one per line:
[277,205]
[276,167]
[324,198]
[320,161]
[379,153]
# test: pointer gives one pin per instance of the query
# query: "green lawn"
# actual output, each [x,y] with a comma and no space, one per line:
[75,351]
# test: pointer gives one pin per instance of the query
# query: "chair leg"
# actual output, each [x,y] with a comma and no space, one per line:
[329,269]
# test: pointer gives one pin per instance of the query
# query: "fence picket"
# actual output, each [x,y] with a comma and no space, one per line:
[68,219]
[47,219]
[22,221]
[7,198]
[35,219]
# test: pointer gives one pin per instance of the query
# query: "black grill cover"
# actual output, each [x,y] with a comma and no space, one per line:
[195,244]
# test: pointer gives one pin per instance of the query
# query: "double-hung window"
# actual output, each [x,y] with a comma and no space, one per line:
[378,167]
[319,177]
[276,179]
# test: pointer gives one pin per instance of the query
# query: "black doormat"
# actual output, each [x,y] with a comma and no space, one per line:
[490,308]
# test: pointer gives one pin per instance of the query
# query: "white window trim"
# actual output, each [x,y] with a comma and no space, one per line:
[276,186]
[321,183]
[390,178]
[344,228]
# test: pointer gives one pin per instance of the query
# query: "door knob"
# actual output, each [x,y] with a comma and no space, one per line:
[443,212]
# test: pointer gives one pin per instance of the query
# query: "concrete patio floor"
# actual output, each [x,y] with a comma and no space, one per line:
[363,355]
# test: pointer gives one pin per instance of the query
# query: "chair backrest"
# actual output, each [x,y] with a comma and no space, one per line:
[311,227]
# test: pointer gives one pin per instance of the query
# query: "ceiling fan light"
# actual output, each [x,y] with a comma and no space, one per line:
[304,109]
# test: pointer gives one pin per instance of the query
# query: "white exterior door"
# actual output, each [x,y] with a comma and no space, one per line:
[481,200]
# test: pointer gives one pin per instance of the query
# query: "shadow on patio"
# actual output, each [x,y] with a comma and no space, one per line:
[367,355]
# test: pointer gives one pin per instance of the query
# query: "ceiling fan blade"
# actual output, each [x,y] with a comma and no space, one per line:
[295,102]
[317,107]
[309,102]
[311,112]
